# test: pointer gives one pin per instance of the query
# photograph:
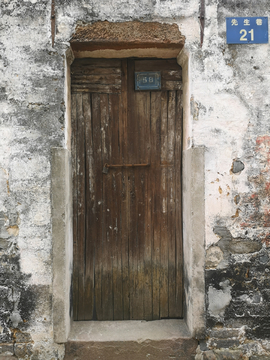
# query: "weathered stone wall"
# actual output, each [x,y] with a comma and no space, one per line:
[231,115]
[229,86]
[31,123]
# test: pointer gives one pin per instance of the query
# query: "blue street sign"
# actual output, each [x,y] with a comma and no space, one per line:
[148,80]
[247,30]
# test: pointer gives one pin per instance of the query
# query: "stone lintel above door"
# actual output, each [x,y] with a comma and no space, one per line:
[134,38]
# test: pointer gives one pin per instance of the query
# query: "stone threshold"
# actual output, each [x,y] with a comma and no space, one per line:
[132,330]
[130,340]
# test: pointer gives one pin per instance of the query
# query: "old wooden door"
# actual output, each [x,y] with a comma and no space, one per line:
[127,214]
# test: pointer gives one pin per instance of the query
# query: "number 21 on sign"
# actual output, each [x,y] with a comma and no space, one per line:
[244,34]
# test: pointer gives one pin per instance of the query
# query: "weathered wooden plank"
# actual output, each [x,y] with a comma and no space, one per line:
[93,70]
[97,211]
[136,244]
[133,245]
[74,126]
[100,79]
[164,313]
[178,205]
[89,245]
[116,207]
[155,180]
[106,285]
[171,127]
[140,212]
[124,195]
[171,203]
[136,119]
[132,157]
[157,65]
[142,114]
[145,157]
[172,75]
[171,85]
[125,244]
[106,89]
[143,306]
[96,63]
[81,207]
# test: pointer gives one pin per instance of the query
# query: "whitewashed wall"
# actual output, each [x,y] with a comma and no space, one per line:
[229,87]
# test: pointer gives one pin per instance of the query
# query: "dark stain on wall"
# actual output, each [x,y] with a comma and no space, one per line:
[27,302]
[17,299]
[247,271]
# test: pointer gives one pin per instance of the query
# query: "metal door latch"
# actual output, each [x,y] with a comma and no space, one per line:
[106,167]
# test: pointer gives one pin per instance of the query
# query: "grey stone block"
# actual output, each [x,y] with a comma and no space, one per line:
[224,343]
[224,333]
[22,350]
[21,337]
[229,355]
[209,355]
[6,350]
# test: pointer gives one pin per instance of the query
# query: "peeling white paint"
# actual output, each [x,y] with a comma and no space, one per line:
[219,300]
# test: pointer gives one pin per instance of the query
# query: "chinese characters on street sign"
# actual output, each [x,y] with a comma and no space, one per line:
[247,30]
[150,80]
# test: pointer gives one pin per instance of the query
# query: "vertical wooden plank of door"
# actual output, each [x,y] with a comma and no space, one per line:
[97,212]
[144,187]
[146,247]
[135,263]
[124,195]
[132,138]
[140,193]
[125,245]
[75,204]
[116,206]
[171,203]
[137,207]
[155,182]
[89,246]
[178,219]
[164,308]
[107,296]
[133,243]
[142,113]
[81,207]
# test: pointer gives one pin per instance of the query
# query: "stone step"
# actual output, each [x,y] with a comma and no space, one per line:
[130,340]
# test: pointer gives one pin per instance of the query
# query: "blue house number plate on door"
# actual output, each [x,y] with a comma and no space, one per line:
[150,80]
[247,30]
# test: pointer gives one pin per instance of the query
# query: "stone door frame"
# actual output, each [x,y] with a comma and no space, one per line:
[158,41]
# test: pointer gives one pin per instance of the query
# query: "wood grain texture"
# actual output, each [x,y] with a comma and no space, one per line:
[81,236]
[89,180]
[127,222]
[74,135]
[97,209]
